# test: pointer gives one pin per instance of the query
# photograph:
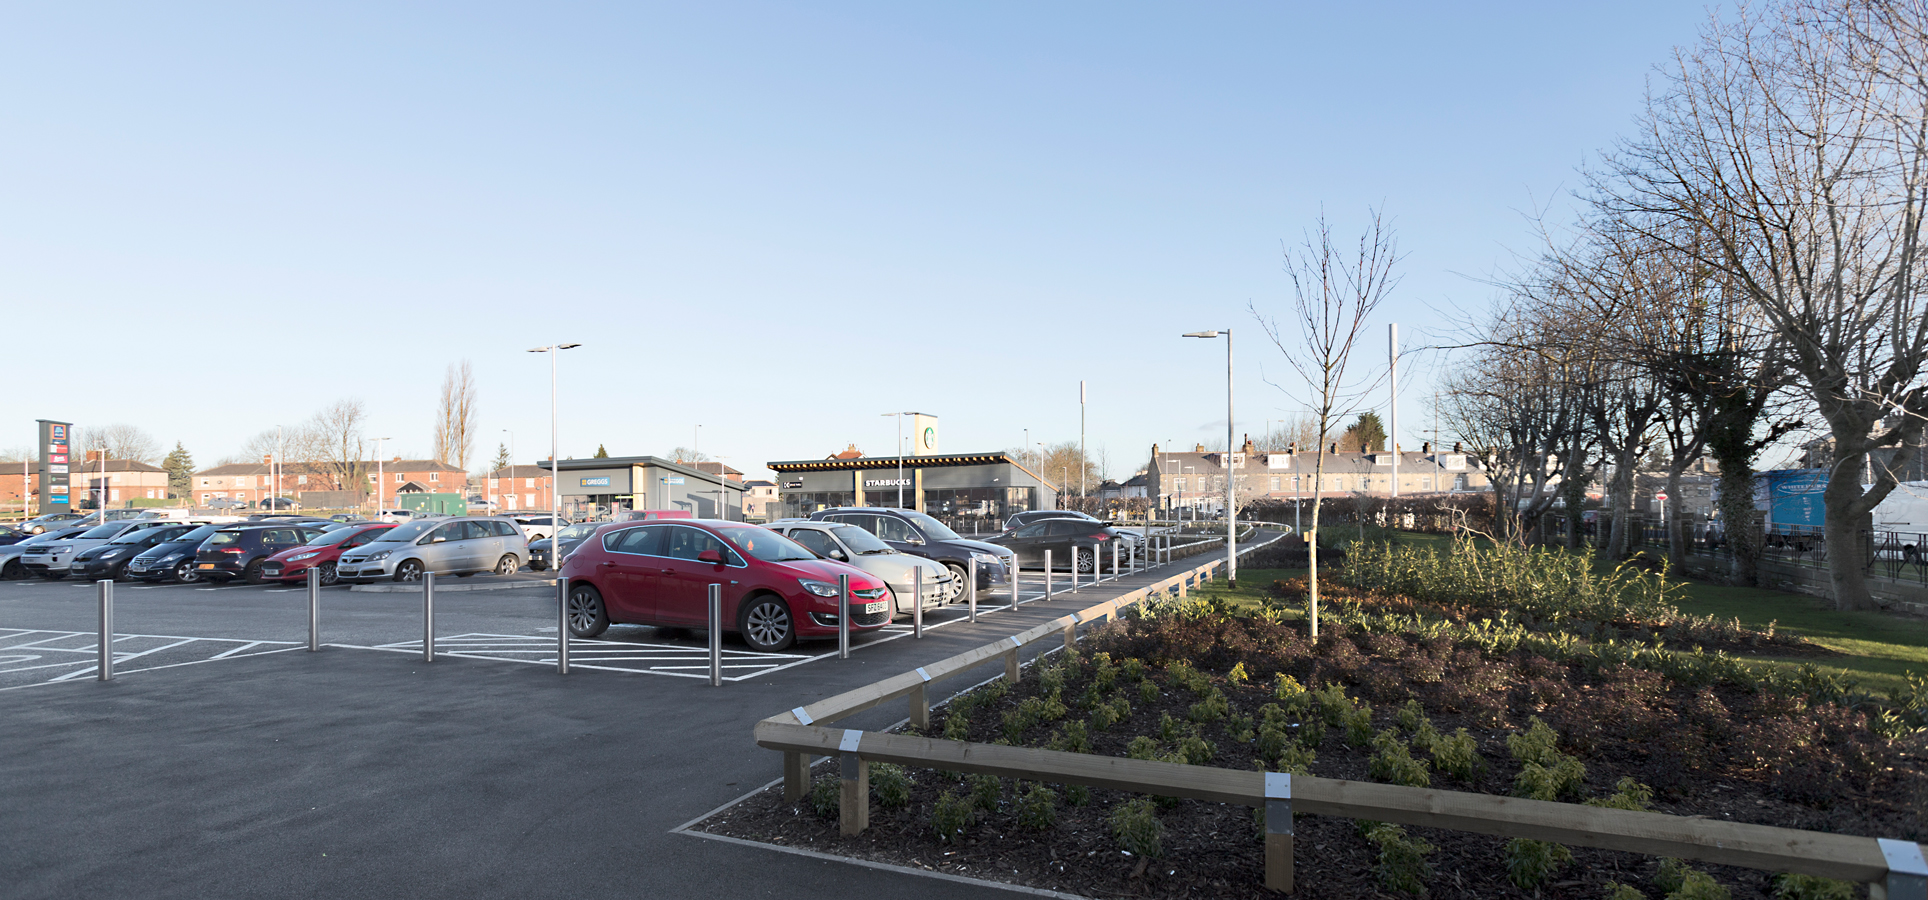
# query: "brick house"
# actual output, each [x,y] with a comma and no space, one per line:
[1196,479]
[251,483]
[760,502]
[520,487]
[121,479]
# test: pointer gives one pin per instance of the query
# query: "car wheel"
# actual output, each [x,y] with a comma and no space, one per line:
[184,572]
[1087,558]
[328,575]
[409,570]
[13,569]
[252,574]
[587,616]
[507,565]
[766,625]
[118,573]
[959,576]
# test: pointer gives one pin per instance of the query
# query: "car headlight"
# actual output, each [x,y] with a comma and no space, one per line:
[111,554]
[176,556]
[819,588]
[986,558]
[380,554]
[309,555]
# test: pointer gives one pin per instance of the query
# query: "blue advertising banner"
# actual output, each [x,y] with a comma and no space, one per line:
[1794,497]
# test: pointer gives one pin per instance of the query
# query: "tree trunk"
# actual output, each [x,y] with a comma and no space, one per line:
[1738,530]
[1621,497]
[1842,529]
[1676,540]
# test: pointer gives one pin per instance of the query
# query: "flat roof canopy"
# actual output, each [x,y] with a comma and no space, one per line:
[934,461]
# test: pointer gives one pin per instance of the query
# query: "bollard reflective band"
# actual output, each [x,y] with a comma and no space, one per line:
[1904,857]
[802,716]
[851,738]
[923,674]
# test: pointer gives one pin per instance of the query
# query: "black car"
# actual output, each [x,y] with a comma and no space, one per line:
[1019,520]
[920,535]
[239,551]
[110,560]
[11,535]
[571,537]
[173,558]
[1060,536]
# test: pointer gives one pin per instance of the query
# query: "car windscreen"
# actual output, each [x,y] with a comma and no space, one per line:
[223,538]
[933,529]
[197,535]
[331,538]
[149,535]
[103,532]
[408,532]
[859,540]
[577,532]
[765,544]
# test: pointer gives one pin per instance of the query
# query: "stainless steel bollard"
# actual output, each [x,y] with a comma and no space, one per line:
[1114,560]
[1047,574]
[428,617]
[843,615]
[105,667]
[314,610]
[1017,581]
[562,625]
[716,635]
[971,573]
[1074,566]
[917,604]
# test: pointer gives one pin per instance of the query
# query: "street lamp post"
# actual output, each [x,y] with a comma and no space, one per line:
[555,468]
[900,454]
[380,474]
[511,469]
[1231,510]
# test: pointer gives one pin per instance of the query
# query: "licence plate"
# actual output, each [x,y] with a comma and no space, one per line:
[871,609]
[207,565]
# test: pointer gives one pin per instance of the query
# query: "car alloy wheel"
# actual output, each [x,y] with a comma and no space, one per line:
[409,570]
[328,574]
[252,574]
[13,569]
[587,617]
[766,625]
[958,577]
[185,573]
[1087,558]
[507,564]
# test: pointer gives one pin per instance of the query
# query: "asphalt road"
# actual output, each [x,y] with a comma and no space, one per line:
[363,773]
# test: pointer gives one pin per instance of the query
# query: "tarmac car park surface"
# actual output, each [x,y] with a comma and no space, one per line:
[353,772]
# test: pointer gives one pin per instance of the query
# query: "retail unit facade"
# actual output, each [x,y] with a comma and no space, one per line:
[594,487]
[988,487]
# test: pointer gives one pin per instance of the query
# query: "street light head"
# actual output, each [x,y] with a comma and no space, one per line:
[1200,334]
[568,346]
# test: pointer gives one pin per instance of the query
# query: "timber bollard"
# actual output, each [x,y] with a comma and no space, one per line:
[853,800]
[1278,831]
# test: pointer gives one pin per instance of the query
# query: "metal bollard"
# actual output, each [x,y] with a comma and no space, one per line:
[716,635]
[917,603]
[843,615]
[562,625]
[105,667]
[1278,831]
[1114,560]
[1047,574]
[428,617]
[314,610]
[971,573]
[1074,567]
[1017,581]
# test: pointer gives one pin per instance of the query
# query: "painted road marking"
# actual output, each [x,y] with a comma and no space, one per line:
[26,655]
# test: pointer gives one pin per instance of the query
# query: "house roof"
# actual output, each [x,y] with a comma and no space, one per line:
[1343,462]
[113,465]
[521,472]
[393,465]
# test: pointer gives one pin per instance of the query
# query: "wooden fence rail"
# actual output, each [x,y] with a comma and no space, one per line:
[1894,870]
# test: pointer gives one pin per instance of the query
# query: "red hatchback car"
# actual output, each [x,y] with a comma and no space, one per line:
[321,553]
[774,590]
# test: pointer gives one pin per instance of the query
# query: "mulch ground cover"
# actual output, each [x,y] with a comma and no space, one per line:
[1256,692]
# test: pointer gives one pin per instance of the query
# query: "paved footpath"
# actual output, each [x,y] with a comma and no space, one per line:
[363,773]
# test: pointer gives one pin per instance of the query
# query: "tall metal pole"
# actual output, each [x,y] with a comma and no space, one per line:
[1231,511]
[1392,420]
[900,478]
[555,471]
[1082,490]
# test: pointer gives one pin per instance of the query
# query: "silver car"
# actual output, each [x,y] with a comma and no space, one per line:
[860,548]
[459,546]
[10,564]
[52,559]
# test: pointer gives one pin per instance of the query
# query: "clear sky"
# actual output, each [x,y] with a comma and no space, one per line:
[773,220]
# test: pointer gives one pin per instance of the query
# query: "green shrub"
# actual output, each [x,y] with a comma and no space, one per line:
[891,784]
[1789,886]
[1538,744]
[1618,891]
[957,725]
[1078,795]
[1274,715]
[1312,732]
[1182,674]
[1142,747]
[1402,862]
[1530,863]
[1358,724]
[1133,669]
[1214,707]
[1237,677]
[1411,716]
[1333,704]
[1272,741]
[1102,718]
[1239,728]
[952,816]
[1393,763]
[986,790]
[1169,728]
[1289,690]
[1135,826]
[1196,751]
[1297,759]
[1072,737]
[1051,680]
[1023,718]
[1052,710]
[1425,737]
[1038,808]
[1627,794]
[1537,782]
[826,796]
[1680,881]
[1458,755]
[1148,691]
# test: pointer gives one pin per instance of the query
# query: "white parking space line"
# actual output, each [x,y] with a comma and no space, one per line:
[26,655]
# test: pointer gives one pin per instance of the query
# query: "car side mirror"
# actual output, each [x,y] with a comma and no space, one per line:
[437,539]
[713,557]
[837,554]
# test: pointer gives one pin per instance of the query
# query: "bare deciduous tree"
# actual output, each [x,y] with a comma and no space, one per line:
[1334,294]
[337,431]
[120,441]
[455,417]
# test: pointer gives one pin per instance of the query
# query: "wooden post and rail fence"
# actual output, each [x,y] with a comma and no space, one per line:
[1893,869]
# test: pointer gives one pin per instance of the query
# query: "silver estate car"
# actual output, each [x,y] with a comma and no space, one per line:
[860,548]
[457,546]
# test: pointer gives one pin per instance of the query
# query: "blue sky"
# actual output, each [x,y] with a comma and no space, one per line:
[776,221]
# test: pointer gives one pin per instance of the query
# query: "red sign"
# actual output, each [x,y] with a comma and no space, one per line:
[1660,496]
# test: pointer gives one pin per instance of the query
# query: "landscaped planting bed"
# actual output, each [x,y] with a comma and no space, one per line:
[1438,692]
